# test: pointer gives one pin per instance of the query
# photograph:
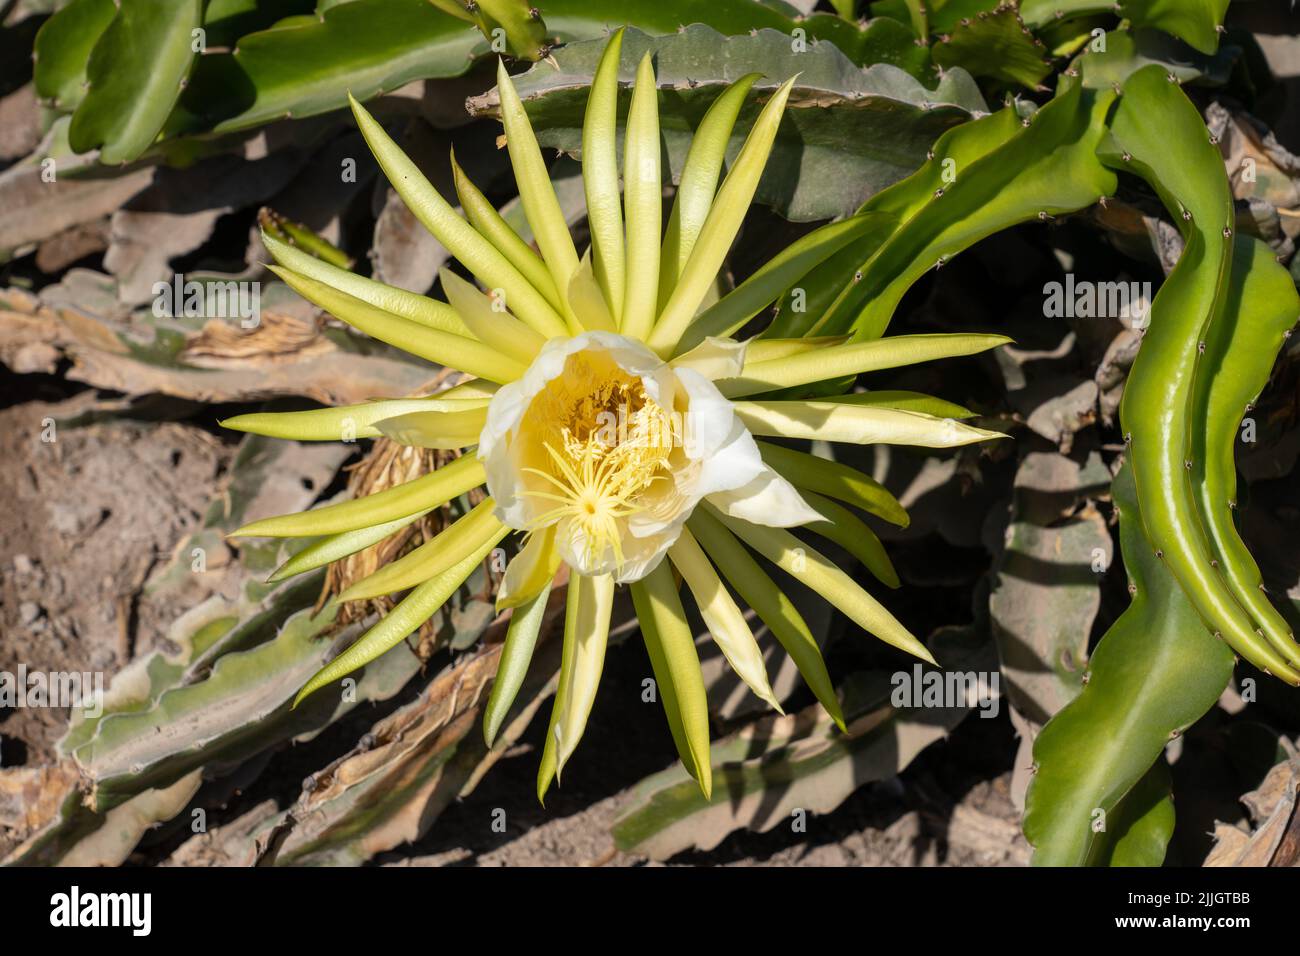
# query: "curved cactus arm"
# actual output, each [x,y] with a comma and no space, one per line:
[1127,51]
[879,40]
[996,45]
[218,694]
[63,47]
[1048,168]
[1155,672]
[74,836]
[249,616]
[368,800]
[983,177]
[65,41]
[827,284]
[1259,308]
[516,22]
[1177,158]
[135,74]
[1038,13]
[225,21]
[1138,831]
[1195,21]
[239,709]
[124,826]
[305,66]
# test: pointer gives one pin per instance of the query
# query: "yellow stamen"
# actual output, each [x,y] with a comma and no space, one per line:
[607,443]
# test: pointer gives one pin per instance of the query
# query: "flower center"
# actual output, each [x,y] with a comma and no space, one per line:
[596,443]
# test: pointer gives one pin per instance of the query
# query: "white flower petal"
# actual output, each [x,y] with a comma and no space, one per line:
[768,500]
[709,417]
[732,466]
[714,358]
[642,555]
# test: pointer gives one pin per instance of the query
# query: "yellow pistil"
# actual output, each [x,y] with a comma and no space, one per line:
[606,442]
